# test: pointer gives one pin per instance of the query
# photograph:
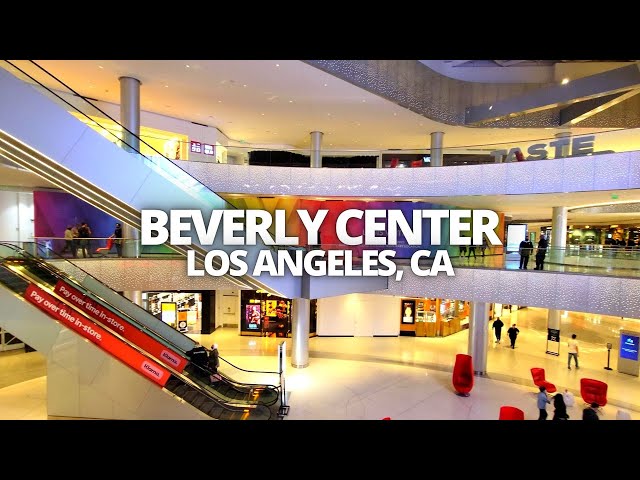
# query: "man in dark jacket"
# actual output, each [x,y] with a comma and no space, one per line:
[541,253]
[497,327]
[526,249]
[591,412]
[513,334]
[199,361]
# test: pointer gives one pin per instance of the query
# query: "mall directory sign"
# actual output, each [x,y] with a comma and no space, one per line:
[96,334]
[628,354]
[131,332]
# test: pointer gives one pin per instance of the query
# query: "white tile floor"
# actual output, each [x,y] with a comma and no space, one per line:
[405,378]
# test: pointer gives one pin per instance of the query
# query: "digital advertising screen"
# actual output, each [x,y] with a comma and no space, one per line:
[252,316]
[629,346]
[515,234]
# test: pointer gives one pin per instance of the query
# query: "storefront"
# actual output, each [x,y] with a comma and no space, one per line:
[266,315]
[188,312]
[433,317]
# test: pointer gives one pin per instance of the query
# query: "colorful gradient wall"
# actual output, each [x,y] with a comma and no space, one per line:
[328,237]
[53,211]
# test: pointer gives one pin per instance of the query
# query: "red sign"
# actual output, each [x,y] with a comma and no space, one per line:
[96,334]
[94,310]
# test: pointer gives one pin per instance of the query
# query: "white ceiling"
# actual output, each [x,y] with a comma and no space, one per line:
[273,102]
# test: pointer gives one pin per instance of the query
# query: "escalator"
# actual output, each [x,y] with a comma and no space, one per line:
[38,134]
[34,269]
[178,384]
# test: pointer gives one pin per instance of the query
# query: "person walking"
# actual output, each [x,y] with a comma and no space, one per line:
[463,251]
[541,252]
[497,328]
[525,250]
[513,334]
[573,351]
[543,400]
[472,249]
[560,408]
[484,245]
[84,234]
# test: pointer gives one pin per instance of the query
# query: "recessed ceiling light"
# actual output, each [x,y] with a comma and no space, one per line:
[244,85]
[262,114]
[290,101]
[166,86]
[325,84]
[490,107]
[100,67]
[394,114]
[219,101]
[277,64]
[364,101]
[188,66]
[565,81]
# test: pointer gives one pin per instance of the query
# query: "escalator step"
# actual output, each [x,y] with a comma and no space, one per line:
[190,396]
[199,401]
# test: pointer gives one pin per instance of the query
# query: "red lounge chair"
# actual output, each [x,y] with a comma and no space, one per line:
[107,247]
[510,413]
[539,380]
[463,374]
[394,163]
[593,391]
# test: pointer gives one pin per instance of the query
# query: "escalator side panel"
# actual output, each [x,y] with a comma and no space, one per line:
[96,334]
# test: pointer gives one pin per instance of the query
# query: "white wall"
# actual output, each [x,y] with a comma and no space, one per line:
[359,315]
[16,216]
[227,308]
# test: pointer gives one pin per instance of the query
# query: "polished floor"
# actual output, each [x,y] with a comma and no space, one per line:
[405,378]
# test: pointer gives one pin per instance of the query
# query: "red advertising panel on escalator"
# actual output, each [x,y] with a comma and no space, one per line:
[96,334]
[94,310]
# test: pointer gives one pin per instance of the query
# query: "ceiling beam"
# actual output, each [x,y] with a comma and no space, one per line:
[579,111]
[508,63]
[593,86]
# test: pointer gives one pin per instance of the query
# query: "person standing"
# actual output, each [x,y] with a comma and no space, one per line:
[84,234]
[573,351]
[484,245]
[214,363]
[497,328]
[513,334]
[69,242]
[543,400]
[541,253]
[525,250]
[463,251]
[559,408]
[117,239]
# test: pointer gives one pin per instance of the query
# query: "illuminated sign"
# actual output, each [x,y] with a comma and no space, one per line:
[209,149]
[196,147]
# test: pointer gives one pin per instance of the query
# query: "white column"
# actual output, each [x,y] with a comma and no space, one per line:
[130,112]
[316,150]
[479,336]
[130,119]
[301,309]
[436,149]
[558,234]
[134,295]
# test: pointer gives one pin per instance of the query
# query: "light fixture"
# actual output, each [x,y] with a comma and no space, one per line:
[565,81]
[490,107]
[188,66]
[100,67]
[277,64]
[244,85]
[325,84]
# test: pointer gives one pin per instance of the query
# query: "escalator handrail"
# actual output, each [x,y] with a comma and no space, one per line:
[61,274]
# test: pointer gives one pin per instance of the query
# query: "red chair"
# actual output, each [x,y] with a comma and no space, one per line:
[539,380]
[416,163]
[108,247]
[510,413]
[463,374]
[394,162]
[593,391]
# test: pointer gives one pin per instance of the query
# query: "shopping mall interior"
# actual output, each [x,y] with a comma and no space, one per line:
[550,146]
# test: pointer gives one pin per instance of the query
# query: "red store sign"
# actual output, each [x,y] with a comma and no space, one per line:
[121,326]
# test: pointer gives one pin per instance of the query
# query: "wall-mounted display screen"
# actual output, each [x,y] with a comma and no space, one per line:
[408,311]
[515,234]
